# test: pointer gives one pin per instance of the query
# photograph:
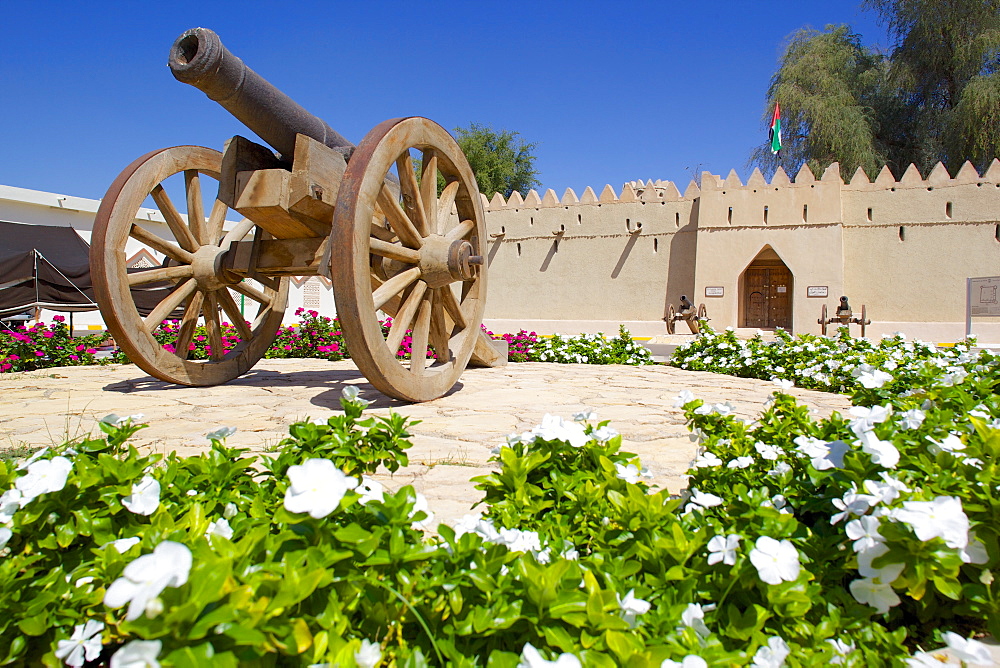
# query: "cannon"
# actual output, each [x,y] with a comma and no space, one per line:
[844,317]
[391,240]
[687,313]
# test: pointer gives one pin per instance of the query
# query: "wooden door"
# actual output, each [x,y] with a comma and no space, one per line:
[767,294]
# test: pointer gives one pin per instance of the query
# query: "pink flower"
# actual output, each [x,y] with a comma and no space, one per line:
[47,335]
[74,357]
[91,351]
[58,318]
[39,353]
[79,347]
[13,358]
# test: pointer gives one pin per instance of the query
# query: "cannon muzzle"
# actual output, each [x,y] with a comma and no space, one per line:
[198,58]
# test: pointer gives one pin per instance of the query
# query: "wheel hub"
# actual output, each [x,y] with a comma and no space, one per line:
[443,262]
[208,270]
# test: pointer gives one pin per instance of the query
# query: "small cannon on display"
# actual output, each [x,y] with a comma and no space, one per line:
[686,313]
[844,317]
[389,241]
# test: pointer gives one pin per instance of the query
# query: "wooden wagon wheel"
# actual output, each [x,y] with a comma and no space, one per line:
[670,319]
[417,261]
[864,322]
[702,312]
[193,283]
[822,320]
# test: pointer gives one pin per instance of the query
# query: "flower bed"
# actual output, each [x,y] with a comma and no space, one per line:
[855,540]
[42,347]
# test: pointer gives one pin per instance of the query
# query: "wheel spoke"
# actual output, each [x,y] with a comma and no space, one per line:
[195,206]
[160,274]
[169,303]
[408,184]
[394,251]
[453,308]
[398,219]
[404,316]
[252,292]
[173,218]
[429,188]
[216,220]
[461,230]
[233,311]
[393,286]
[213,327]
[241,230]
[172,251]
[445,204]
[188,325]
[440,337]
[418,347]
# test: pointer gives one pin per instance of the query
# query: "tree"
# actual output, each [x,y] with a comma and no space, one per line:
[934,96]
[501,161]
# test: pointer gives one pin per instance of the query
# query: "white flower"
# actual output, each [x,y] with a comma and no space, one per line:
[723,548]
[767,451]
[629,473]
[864,532]
[604,434]
[351,392]
[842,649]
[951,443]
[926,660]
[868,417]
[740,463]
[874,379]
[878,595]
[887,491]
[220,434]
[5,535]
[138,654]
[531,658]
[631,607]
[701,500]
[477,525]
[694,617]
[145,577]
[783,384]
[823,455]
[584,415]
[317,486]
[852,504]
[776,561]
[883,453]
[941,518]
[554,428]
[912,419]
[118,421]
[780,469]
[689,661]
[685,397]
[123,545]
[517,540]
[43,476]
[771,655]
[83,645]
[420,505]
[707,460]
[220,527]
[370,653]
[886,573]
[975,552]
[145,497]
[229,512]
[370,490]
[968,650]
[10,503]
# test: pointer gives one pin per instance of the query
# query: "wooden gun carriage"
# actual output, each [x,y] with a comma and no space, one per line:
[391,243]
[686,313]
[844,317]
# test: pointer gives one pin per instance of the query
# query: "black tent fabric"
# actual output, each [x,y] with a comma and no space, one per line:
[49,267]
[46,266]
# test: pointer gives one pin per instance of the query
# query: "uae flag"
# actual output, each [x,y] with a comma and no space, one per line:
[775,134]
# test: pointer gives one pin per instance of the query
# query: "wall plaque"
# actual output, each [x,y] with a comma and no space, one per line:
[782,288]
[984,296]
[717,291]
[818,291]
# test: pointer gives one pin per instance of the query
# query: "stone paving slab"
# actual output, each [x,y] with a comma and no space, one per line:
[451,444]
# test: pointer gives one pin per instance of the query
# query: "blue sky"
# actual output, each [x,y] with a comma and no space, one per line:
[610,92]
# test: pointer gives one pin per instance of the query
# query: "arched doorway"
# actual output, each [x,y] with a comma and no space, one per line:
[766,292]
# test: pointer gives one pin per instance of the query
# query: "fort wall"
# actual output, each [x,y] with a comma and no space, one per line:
[901,247]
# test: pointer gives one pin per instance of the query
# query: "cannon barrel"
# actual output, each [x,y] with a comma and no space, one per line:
[198,58]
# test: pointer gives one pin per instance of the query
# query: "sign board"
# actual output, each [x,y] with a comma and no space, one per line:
[716,291]
[818,291]
[982,299]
